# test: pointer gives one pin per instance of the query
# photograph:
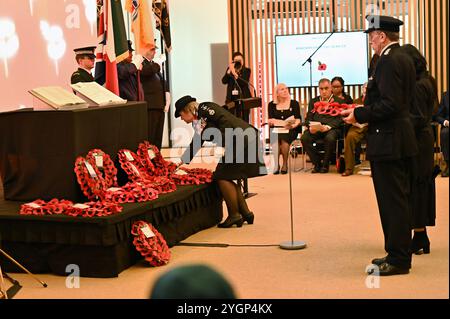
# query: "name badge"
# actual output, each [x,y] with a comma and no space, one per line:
[235,92]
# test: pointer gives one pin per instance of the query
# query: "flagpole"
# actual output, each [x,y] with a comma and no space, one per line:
[128,26]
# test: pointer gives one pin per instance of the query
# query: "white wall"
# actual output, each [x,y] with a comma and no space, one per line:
[195,25]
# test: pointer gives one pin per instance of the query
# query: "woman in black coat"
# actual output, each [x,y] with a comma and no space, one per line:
[242,159]
[423,193]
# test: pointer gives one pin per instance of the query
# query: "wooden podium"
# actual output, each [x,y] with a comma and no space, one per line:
[240,106]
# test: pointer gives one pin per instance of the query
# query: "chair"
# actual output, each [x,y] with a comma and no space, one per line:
[296,149]
[339,150]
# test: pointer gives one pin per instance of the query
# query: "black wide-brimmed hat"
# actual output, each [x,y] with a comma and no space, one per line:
[383,23]
[182,102]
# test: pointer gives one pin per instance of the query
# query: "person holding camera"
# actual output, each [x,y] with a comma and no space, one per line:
[237,79]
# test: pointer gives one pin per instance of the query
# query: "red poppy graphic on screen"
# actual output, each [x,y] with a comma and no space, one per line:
[322,66]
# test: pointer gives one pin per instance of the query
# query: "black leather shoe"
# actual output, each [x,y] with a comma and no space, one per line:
[284,172]
[379,261]
[315,170]
[249,218]
[229,222]
[324,170]
[276,172]
[386,269]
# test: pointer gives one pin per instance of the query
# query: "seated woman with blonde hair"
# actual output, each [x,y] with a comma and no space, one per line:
[282,108]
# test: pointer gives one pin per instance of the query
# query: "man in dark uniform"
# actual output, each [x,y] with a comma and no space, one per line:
[127,71]
[156,94]
[329,131]
[391,140]
[86,61]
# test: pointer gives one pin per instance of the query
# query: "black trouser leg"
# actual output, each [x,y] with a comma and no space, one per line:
[307,142]
[444,143]
[392,187]
[330,145]
[155,127]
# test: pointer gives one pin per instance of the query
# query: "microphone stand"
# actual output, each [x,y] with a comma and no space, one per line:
[309,59]
[245,181]
[292,245]
[242,183]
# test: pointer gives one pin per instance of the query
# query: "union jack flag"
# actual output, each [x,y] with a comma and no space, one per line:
[135,12]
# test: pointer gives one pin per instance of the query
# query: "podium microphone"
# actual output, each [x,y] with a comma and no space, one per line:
[248,82]
[292,245]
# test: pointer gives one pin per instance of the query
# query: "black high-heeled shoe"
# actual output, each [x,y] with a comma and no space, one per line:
[249,218]
[277,171]
[230,221]
[420,243]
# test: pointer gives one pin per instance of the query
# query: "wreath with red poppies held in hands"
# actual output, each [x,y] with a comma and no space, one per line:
[333,108]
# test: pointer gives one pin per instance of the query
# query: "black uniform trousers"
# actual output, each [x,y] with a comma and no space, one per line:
[156,119]
[392,182]
[444,142]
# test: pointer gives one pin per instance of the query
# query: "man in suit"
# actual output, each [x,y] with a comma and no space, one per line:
[85,58]
[328,132]
[127,71]
[157,96]
[391,141]
[442,118]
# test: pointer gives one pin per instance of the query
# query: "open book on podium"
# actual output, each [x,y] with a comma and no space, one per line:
[96,94]
[58,98]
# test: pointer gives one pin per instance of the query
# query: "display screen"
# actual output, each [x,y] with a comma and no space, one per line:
[37,38]
[344,54]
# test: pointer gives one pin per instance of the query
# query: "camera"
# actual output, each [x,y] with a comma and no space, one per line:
[237,65]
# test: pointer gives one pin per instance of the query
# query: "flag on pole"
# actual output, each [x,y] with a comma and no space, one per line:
[141,25]
[113,45]
[161,11]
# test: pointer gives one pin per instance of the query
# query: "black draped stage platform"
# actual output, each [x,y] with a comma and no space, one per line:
[37,157]
[102,246]
[38,148]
